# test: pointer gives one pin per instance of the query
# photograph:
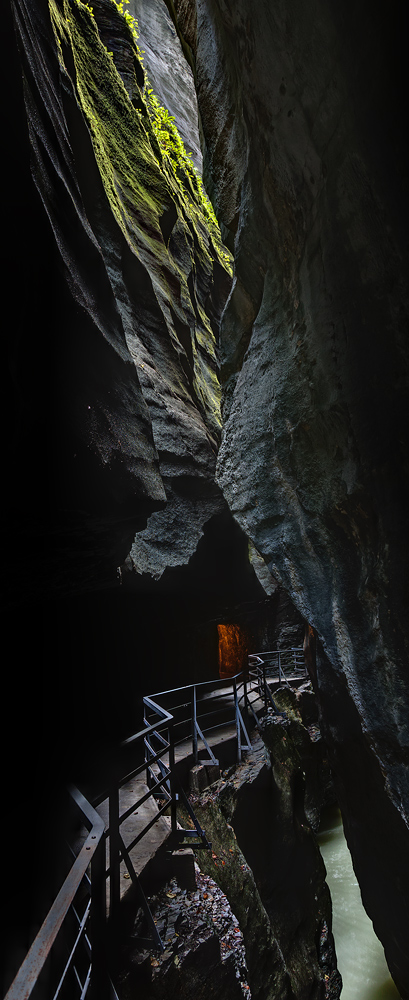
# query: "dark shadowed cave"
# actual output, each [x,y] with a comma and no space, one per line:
[145,506]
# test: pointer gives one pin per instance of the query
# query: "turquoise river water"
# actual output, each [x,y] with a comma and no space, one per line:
[360,955]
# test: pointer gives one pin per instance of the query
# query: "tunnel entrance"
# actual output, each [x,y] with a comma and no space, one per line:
[233,649]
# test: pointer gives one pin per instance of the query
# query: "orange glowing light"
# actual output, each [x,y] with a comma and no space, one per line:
[233,650]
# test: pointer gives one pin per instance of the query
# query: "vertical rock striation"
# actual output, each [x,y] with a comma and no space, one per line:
[302,114]
[132,281]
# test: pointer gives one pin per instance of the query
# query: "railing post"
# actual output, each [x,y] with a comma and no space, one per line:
[173,806]
[145,749]
[236,712]
[265,689]
[146,753]
[194,730]
[99,984]
[246,706]
[114,860]
[279,667]
[258,680]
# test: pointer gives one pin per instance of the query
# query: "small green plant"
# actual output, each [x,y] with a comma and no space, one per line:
[172,145]
[130,20]
[170,142]
[89,9]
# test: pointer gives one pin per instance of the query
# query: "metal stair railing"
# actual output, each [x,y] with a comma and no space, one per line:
[170,787]
[85,955]
[258,688]
[163,784]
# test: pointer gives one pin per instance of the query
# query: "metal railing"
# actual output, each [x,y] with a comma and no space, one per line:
[75,947]
[283,663]
[78,907]
[199,710]
[265,667]
[163,783]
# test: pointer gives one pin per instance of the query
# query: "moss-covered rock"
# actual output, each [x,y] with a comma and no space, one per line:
[168,269]
[308,747]
[266,859]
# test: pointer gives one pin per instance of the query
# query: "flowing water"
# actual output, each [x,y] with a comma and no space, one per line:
[360,955]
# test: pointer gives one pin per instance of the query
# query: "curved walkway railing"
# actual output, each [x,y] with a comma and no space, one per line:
[199,710]
[78,905]
[75,947]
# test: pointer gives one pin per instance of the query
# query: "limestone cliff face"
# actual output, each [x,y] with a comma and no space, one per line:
[301,109]
[118,280]
[130,277]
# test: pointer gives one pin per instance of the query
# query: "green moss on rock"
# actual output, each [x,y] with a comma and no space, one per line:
[148,177]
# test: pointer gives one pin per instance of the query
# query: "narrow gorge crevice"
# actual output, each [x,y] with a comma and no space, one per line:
[206,428]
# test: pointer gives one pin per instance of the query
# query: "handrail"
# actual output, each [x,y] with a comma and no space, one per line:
[273,652]
[214,681]
[92,853]
[288,658]
[167,717]
[198,731]
[29,972]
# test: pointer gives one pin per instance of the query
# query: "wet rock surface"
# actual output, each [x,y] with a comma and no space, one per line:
[301,710]
[295,107]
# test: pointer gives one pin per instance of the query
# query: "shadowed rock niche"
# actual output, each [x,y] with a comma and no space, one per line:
[301,110]
[203,616]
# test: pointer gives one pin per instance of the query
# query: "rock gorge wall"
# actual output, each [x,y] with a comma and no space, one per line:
[112,415]
[114,399]
[169,73]
[118,277]
[301,110]
[127,246]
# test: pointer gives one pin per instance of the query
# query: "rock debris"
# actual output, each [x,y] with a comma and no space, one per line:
[187,921]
